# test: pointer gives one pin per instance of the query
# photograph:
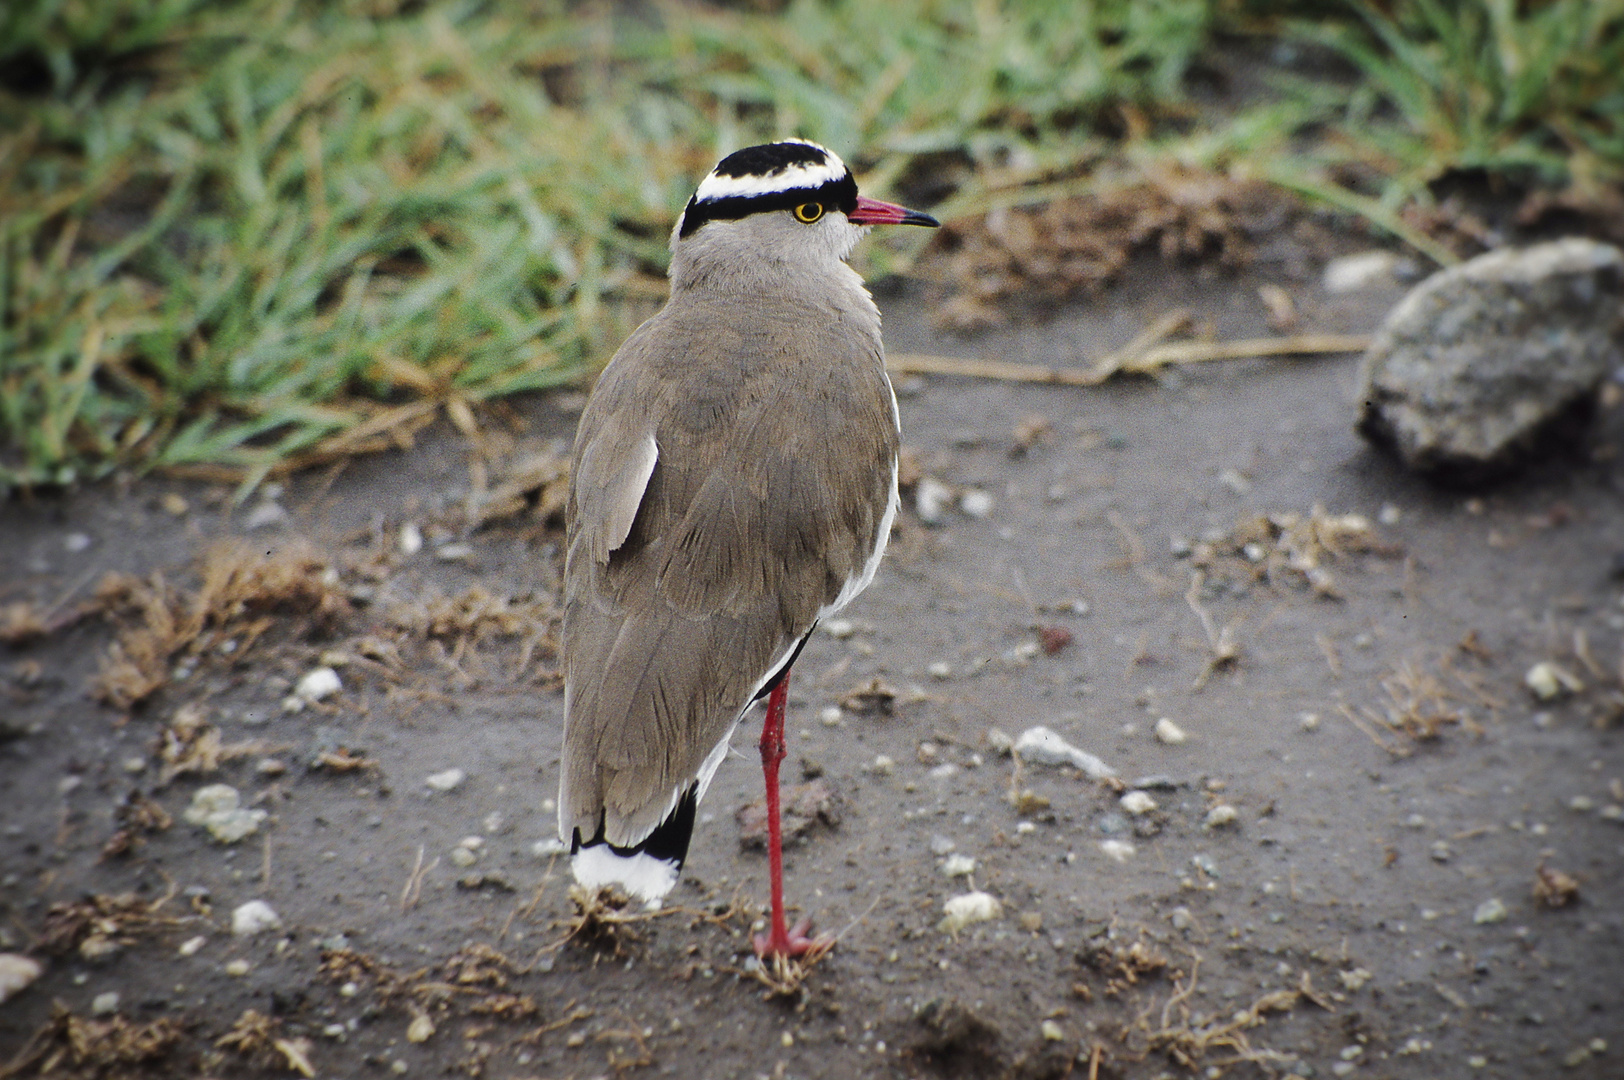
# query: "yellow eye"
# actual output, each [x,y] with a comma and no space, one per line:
[808,212]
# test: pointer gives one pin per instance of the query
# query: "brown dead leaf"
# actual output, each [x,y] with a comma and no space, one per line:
[99,925]
[70,1045]
[1553,888]
[137,817]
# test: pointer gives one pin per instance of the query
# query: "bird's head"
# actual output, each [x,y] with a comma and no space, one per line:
[790,205]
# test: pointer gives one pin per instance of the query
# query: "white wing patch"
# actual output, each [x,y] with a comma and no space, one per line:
[627,494]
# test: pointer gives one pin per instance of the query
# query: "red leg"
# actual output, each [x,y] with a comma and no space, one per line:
[780,940]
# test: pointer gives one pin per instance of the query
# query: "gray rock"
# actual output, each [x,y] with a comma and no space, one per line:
[1481,362]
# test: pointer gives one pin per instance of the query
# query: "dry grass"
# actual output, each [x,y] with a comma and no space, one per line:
[98,926]
[1077,245]
[259,1039]
[1294,549]
[91,1049]
[243,590]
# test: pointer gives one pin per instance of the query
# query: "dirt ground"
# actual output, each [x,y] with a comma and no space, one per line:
[1419,877]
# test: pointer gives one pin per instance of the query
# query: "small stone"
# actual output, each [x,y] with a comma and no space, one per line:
[17,972]
[1389,514]
[463,858]
[76,542]
[1117,850]
[456,551]
[216,808]
[1343,1068]
[410,540]
[1041,746]
[1052,1031]
[967,909]
[831,716]
[883,765]
[237,968]
[940,670]
[1308,721]
[174,505]
[1181,918]
[1170,733]
[976,503]
[420,1030]
[1490,911]
[191,945]
[1481,361]
[999,742]
[1221,815]
[1581,804]
[254,917]
[941,845]
[958,866]
[931,500]
[449,780]
[104,1004]
[1137,803]
[1361,270]
[1547,681]
[265,514]
[318,684]
[840,629]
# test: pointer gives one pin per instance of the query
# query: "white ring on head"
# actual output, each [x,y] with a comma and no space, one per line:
[716,186]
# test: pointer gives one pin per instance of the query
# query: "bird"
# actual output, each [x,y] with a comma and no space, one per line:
[733,482]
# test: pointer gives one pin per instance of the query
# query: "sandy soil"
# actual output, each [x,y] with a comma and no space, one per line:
[1389,773]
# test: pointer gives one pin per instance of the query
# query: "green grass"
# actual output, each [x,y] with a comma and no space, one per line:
[238,236]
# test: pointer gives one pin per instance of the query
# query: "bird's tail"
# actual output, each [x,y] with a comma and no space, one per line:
[648,869]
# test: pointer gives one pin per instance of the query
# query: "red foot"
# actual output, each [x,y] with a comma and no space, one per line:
[792,942]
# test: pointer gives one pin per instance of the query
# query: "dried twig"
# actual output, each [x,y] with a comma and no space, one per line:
[1225,651]
[1181,352]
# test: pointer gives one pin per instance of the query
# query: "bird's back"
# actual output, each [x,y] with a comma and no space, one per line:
[734,468]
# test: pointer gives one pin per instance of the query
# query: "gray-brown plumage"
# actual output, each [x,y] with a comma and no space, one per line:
[734,479]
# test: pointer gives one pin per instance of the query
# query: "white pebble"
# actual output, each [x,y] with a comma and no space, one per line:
[1025,828]
[254,917]
[973,907]
[1052,1031]
[16,973]
[976,503]
[318,684]
[1137,803]
[840,629]
[958,866]
[1582,804]
[1119,850]
[1389,514]
[883,765]
[74,543]
[1308,721]
[1361,270]
[421,1029]
[549,848]
[831,716]
[1170,733]
[1492,910]
[449,780]
[1041,746]
[1221,815]
[1181,918]
[237,968]
[191,945]
[217,808]
[931,500]
[941,669]
[464,857]
[104,1004]
[410,541]
[1547,681]
[999,742]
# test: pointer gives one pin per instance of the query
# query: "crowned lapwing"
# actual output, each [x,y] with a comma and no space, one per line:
[734,482]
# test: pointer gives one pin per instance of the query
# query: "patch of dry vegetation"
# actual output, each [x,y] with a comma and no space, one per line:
[92,1049]
[243,590]
[1077,245]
